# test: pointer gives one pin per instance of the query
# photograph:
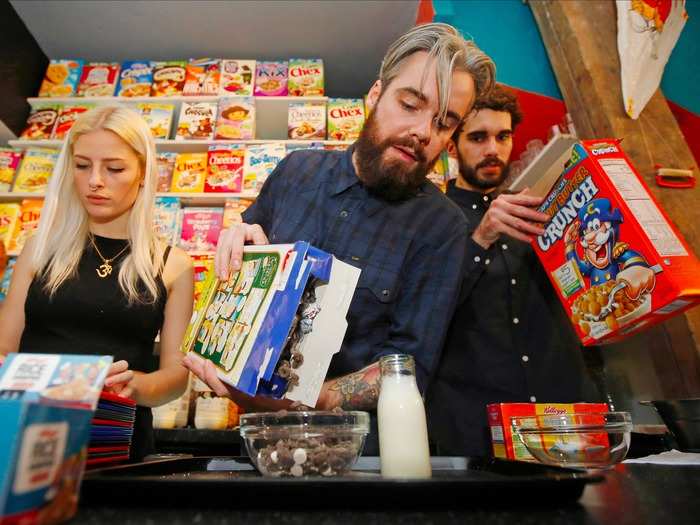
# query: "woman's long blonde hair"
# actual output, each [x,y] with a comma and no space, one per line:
[63,228]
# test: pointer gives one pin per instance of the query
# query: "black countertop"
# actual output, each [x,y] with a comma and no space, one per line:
[630,494]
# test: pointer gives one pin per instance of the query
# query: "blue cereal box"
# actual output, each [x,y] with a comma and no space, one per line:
[135,79]
[46,407]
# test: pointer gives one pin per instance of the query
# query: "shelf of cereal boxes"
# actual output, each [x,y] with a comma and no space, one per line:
[185,146]
[271,113]
[187,199]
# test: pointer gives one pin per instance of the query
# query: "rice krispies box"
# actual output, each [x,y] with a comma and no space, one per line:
[46,407]
[508,446]
[614,258]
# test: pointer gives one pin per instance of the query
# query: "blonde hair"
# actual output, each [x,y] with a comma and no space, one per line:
[450,50]
[63,227]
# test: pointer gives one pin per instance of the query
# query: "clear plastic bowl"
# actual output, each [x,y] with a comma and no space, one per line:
[304,443]
[576,440]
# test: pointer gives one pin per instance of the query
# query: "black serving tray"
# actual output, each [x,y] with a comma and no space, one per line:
[233,481]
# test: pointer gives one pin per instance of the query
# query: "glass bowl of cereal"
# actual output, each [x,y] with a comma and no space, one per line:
[305,443]
[576,440]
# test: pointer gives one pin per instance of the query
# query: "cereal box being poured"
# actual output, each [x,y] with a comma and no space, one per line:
[237,78]
[305,77]
[61,78]
[271,79]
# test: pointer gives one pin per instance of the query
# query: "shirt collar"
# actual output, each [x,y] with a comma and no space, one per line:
[347,176]
[467,198]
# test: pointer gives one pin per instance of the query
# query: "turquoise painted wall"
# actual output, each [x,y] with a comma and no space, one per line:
[506,30]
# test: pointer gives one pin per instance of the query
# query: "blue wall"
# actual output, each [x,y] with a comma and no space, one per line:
[506,30]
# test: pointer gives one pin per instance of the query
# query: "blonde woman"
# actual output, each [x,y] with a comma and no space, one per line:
[95,279]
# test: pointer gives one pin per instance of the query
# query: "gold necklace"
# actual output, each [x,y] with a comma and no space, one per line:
[105,269]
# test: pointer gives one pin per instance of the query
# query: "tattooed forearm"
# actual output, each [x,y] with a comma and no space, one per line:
[356,391]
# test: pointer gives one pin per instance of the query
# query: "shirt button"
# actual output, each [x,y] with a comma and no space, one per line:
[486,198]
[533,399]
[513,281]
[473,206]
[504,246]
[343,214]
[487,261]
[516,320]
[385,292]
[525,359]
[477,258]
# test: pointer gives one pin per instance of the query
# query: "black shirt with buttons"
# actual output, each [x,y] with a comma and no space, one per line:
[509,341]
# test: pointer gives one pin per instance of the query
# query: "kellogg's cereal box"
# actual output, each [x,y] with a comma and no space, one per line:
[67,117]
[196,121]
[189,173]
[506,445]
[224,169]
[346,116]
[9,161]
[202,77]
[236,119]
[166,165]
[61,78]
[613,256]
[306,120]
[260,160]
[35,170]
[9,214]
[41,121]
[200,229]
[237,78]
[98,79]
[27,222]
[159,118]
[233,210]
[271,79]
[168,79]
[135,79]
[305,77]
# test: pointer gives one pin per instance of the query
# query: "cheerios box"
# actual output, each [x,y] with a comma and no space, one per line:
[505,444]
[614,257]
[46,408]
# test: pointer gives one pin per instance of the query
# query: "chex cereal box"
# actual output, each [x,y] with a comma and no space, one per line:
[46,407]
[236,120]
[305,77]
[306,120]
[168,79]
[224,169]
[197,121]
[26,223]
[41,122]
[237,78]
[271,79]
[98,79]
[67,117]
[509,446]
[135,79]
[189,173]
[346,116]
[61,78]
[9,162]
[614,257]
[9,215]
[159,118]
[202,77]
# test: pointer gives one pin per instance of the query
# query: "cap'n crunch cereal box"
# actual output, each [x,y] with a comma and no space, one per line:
[305,77]
[614,258]
[236,119]
[135,79]
[61,78]
[224,169]
[306,121]
[67,117]
[346,116]
[168,78]
[237,78]
[98,79]
[41,122]
[202,77]
[271,79]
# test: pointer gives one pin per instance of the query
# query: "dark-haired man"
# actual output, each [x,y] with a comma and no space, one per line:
[510,340]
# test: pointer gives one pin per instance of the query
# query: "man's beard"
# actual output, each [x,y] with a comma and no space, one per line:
[471,176]
[389,180]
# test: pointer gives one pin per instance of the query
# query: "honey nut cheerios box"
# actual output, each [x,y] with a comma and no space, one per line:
[507,445]
[615,259]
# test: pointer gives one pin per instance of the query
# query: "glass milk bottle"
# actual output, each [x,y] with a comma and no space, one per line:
[403,434]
